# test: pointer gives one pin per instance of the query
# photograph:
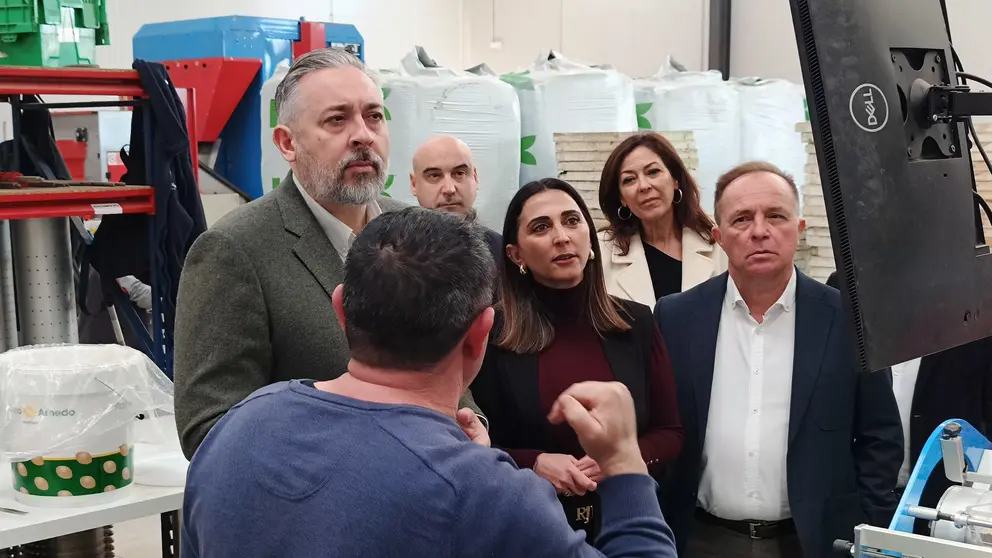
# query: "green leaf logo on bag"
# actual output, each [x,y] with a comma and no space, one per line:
[389,182]
[642,121]
[385,110]
[526,157]
[519,80]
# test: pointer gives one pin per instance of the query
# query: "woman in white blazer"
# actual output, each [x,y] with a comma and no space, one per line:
[659,240]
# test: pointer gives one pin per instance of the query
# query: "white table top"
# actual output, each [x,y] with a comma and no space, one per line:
[45,523]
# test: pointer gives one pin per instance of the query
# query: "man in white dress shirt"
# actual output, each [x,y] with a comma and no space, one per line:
[787,446]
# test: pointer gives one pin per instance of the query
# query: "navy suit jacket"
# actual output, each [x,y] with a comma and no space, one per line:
[845,436]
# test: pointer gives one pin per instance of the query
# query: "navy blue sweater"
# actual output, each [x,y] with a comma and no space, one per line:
[294,471]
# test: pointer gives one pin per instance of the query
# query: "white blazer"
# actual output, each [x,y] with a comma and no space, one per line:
[628,276]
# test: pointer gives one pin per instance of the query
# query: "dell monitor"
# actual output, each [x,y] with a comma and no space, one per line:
[890,126]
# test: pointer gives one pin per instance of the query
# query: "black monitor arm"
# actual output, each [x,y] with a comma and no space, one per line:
[949,103]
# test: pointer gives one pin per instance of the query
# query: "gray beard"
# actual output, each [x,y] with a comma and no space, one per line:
[327,185]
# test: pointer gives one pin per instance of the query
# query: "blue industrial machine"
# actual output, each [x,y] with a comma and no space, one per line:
[227,59]
[960,525]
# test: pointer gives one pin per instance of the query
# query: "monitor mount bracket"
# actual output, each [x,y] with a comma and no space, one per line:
[951,103]
[931,107]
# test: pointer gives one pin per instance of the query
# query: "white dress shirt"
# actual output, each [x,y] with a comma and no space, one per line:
[747,432]
[904,386]
[340,235]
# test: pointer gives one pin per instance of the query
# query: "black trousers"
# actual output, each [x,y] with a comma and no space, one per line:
[711,541]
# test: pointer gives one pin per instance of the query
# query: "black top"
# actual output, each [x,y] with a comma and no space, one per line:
[120,245]
[666,272]
[495,241]
[516,391]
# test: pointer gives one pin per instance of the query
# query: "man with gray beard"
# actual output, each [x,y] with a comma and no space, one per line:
[254,302]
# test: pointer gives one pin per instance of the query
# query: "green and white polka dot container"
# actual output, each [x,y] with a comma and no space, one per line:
[86,478]
[68,424]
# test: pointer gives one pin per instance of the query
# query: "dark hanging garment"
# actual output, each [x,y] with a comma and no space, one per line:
[121,243]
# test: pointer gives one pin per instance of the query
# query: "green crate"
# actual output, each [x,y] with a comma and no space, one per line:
[52,33]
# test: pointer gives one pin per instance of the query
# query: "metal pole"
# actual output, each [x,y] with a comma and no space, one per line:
[116,324]
[8,306]
[46,295]
[720,36]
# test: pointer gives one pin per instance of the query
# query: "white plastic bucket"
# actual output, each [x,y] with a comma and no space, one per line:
[62,400]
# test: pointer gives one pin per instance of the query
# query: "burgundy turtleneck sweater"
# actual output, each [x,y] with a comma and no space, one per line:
[577,355]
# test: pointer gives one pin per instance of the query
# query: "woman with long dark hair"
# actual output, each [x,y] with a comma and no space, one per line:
[557,326]
[659,240]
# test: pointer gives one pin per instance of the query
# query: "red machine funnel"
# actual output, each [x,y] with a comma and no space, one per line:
[220,83]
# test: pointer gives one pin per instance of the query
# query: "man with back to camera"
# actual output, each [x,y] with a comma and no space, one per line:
[445,178]
[254,297]
[787,446]
[373,463]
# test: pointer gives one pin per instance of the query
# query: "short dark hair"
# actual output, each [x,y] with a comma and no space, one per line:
[414,281]
[745,169]
[525,327]
[688,212]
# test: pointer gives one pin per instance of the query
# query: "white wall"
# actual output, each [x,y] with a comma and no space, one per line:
[763,40]
[390,27]
[633,35]
[969,29]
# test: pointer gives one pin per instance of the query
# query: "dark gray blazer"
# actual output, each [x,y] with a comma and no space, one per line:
[255,308]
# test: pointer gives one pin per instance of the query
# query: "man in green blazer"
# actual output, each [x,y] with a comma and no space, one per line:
[255,294]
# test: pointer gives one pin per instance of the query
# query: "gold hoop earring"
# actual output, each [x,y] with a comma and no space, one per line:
[523,270]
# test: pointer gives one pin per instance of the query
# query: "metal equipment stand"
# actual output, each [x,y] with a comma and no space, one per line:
[46,297]
[171,523]
[35,256]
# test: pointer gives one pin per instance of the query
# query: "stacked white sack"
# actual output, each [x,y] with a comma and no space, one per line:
[425,100]
[770,111]
[274,167]
[701,103]
[558,96]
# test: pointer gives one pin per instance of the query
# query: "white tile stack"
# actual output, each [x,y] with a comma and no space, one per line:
[581,157]
[815,256]
[801,258]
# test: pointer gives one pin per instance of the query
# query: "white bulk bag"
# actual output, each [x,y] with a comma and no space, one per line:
[560,96]
[770,111]
[425,100]
[701,103]
[274,167]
